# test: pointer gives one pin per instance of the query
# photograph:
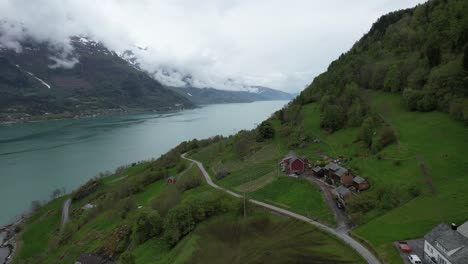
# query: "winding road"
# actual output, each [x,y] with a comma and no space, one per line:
[340,233]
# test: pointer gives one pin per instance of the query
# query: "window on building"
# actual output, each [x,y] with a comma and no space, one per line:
[441,260]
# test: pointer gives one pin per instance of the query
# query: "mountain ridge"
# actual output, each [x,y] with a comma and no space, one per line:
[40,81]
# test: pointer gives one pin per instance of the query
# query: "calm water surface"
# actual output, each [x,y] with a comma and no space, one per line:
[36,158]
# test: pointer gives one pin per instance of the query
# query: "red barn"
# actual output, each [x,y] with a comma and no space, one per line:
[292,163]
[171,180]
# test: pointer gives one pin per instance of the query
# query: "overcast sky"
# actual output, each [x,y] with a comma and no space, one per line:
[282,44]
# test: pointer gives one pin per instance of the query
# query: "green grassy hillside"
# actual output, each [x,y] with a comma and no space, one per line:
[139,216]
[412,203]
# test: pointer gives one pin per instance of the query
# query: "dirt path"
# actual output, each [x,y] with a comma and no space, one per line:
[342,221]
[65,212]
[427,176]
[343,235]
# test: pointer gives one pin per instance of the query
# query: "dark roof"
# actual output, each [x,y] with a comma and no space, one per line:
[290,155]
[359,180]
[92,259]
[450,240]
[341,172]
[332,166]
[317,169]
[343,191]
[293,156]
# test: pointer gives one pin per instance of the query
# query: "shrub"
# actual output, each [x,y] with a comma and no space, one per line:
[129,188]
[182,219]
[385,138]
[150,177]
[127,258]
[125,206]
[147,225]
[168,198]
[265,131]
[333,118]
[117,241]
[188,181]
[86,189]
[414,191]
[222,173]
[181,167]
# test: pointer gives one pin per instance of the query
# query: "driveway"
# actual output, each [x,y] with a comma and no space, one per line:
[342,221]
[341,234]
[418,249]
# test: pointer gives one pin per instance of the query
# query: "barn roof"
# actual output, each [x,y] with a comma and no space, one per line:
[359,180]
[332,166]
[341,172]
[317,169]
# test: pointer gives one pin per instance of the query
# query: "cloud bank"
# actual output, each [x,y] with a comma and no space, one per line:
[276,43]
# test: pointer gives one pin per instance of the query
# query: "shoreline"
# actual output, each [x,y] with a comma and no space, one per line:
[8,243]
[22,118]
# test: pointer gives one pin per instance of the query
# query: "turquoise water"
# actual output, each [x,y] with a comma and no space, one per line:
[36,158]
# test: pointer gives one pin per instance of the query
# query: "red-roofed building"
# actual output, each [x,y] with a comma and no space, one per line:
[293,163]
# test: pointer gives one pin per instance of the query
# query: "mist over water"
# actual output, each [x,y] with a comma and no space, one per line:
[36,158]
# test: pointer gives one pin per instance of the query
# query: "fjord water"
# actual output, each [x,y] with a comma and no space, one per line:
[36,158]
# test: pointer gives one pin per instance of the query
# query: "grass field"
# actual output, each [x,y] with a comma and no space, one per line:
[227,238]
[434,139]
[259,173]
[298,195]
[439,141]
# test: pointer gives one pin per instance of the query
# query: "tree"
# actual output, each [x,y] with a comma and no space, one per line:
[433,55]
[465,59]
[265,131]
[56,193]
[147,225]
[127,258]
[367,130]
[356,114]
[333,118]
[392,80]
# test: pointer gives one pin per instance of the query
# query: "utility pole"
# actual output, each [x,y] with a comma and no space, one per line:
[245,211]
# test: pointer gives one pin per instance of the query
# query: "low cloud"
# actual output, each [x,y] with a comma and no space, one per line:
[281,44]
[63,61]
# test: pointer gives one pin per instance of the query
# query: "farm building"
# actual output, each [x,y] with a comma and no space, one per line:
[293,163]
[331,168]
[171,180]
[446,244]
[338,174]
[360,184]
[317,171]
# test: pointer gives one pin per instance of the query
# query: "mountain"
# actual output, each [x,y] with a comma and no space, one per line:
[203,96]
[91,79]
[172,77]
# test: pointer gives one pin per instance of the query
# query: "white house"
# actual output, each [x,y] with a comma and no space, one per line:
[447,244]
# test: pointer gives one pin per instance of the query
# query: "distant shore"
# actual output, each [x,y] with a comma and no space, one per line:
[14,118]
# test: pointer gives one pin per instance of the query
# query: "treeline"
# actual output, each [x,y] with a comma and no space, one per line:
[420,53]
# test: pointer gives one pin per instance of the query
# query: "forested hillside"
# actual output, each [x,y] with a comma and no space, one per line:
[420,53]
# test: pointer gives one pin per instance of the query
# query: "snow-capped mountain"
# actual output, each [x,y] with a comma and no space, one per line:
[173,77]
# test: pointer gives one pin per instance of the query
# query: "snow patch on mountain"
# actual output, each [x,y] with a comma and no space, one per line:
[40,80]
